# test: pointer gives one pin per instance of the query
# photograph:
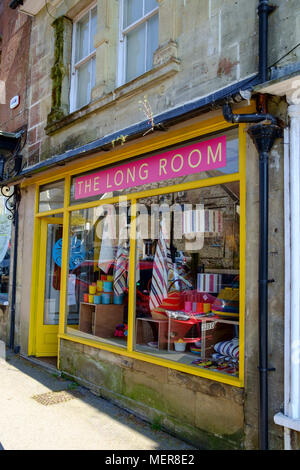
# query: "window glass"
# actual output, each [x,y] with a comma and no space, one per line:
[152,40]
[187,277]
[133,10]
[5,250]
[86,80]
[168,155]
[52,196]
[53,271]
[97,299]
[93,28]
[136,52]
[84,62]
[82,36]
[150,5]
[140,36]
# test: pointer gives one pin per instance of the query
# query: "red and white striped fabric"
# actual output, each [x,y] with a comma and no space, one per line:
[162,269]
[209,282]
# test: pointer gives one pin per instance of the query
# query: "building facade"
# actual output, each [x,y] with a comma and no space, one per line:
[142,218]
[15,29]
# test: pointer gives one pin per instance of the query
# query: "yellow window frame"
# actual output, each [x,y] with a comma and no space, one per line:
[118,155]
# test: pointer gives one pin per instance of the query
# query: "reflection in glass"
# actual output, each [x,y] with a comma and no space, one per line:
[51,196]
[98,273]
[187,286]
[53,274]
[82,45]
[136,52]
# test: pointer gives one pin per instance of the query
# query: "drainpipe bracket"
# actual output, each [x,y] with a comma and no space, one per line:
[264,6]
[269,369]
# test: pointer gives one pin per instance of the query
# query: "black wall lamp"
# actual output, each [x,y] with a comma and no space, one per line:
[10,159]
[10,166]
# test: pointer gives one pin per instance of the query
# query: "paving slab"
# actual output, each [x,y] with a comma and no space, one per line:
[39,410]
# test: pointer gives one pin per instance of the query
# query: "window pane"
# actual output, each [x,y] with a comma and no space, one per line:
[98,273]
[133,10]
[135,53]
[5,246]
[102,182]
[85,75]
[52,275]
[52,196]
[152,40]
[82,38]
[187,280]
[150,5]
[93,28]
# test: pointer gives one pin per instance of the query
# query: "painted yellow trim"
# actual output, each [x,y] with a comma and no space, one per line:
[132,270]
[34,280]
[141,146]
[49,213]
[204,183]
[120,154]
[218,377]
[64,260]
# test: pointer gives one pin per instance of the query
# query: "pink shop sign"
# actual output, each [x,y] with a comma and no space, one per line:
[195,158]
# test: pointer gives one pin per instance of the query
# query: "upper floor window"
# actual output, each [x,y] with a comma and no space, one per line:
[138,37]
[83,59]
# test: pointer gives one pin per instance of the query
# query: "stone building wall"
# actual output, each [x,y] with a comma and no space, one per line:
[204,45]
[15,30]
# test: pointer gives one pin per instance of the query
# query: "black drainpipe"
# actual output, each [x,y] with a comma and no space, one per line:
[263,135]
[14,273]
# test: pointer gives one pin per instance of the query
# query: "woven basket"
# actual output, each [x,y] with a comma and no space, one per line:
[159,314]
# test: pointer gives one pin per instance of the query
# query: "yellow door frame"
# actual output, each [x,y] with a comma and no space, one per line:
[39,348]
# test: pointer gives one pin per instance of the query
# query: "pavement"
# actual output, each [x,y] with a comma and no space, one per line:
[29,420]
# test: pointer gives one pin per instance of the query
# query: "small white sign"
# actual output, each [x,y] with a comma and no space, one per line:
[14,102]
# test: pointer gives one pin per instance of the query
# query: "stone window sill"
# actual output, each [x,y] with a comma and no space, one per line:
[148,79]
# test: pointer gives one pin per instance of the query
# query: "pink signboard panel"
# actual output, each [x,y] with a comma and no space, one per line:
[194,158]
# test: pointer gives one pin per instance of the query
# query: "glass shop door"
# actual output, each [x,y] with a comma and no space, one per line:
[48,296]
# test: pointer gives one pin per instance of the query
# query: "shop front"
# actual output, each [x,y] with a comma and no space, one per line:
[144,257]
[138,276]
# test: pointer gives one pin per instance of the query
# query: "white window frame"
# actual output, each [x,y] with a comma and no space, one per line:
[121,75]
[76,65]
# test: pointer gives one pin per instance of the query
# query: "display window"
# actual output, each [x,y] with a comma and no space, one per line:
[97,291]
[187,299]
[150,254]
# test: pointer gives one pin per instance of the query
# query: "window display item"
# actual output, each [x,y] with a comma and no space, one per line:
[121,330]
[106,298]
[118,299]
[92,289]
[228,348]
[121,267]
[91,299]
[210,283]
[86,298]
[99,286]
[227,303]
[107,286]
[206,307]
[179,345]
[97,299]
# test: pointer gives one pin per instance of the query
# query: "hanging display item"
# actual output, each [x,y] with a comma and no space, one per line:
[77,252]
